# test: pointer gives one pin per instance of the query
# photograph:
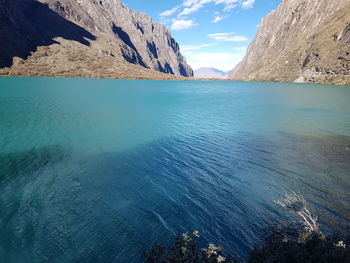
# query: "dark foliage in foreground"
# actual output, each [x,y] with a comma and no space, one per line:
[309,248]
[185,250]
[302,242]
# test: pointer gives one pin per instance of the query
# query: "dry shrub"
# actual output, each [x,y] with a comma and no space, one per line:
[301,242]
[296,203]
[185,250]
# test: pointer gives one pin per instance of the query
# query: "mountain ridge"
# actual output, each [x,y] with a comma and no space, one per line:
[301,41]
[105,29]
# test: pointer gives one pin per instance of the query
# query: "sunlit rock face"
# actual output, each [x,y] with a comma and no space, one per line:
[130,35]
[302,40]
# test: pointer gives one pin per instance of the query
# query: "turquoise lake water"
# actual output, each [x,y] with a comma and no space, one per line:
[96,170]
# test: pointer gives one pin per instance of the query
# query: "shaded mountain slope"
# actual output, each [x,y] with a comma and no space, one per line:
[25,26]
[73,59]
[98,27]
[303,41]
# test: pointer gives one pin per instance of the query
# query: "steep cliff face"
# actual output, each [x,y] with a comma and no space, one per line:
[106,26]
[303,40]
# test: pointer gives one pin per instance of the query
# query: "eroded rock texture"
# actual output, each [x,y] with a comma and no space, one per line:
[106,27]
[303,40]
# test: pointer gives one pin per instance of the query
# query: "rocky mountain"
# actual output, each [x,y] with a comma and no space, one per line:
[303,41]
[67,37]
[210,73]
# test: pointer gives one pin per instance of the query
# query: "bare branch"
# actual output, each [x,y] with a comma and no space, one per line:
[296,203]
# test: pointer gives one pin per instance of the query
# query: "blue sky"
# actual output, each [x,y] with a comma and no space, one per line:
[211,33]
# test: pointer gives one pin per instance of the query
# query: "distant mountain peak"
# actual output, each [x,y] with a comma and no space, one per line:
[210,72]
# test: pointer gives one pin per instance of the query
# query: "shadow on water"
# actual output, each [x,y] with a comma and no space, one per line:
[21,190]
[15,164]
[27,24]
[106,208]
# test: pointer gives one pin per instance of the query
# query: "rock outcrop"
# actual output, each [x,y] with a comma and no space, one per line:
[303,41]
[106,28]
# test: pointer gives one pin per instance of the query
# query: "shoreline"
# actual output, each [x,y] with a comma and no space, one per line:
[168,77]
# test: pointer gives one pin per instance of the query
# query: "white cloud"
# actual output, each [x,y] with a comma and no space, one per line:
[222,61]
[191,6]
[248,4]
[182,24]
[228,4]
[218,18]
[228,37]
[243,49]
[170,11]
[196,47]
[230,7]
